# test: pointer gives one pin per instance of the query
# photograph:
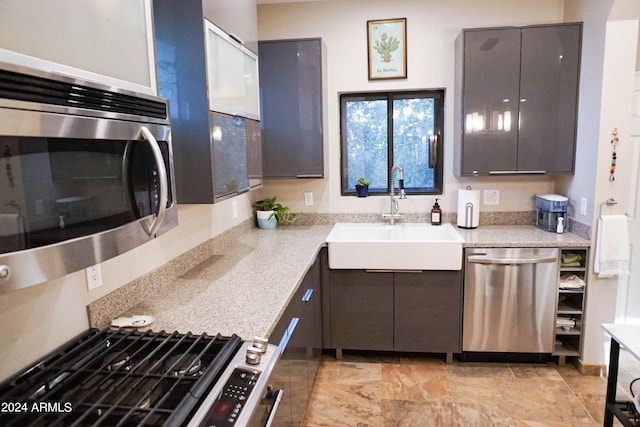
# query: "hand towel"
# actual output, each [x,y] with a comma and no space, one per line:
[612,246]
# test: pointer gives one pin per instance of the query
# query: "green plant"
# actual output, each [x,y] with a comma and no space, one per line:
[385,46]
[363,181]
[281,213]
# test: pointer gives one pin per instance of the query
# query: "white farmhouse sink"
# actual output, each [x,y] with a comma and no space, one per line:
[395,247]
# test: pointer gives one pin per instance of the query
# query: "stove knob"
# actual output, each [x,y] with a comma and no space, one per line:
[253,356]
[261,344]
[5,272]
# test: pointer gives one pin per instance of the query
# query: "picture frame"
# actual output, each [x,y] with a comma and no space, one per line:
[387,48]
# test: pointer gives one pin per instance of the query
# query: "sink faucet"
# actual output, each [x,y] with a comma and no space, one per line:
[394,207]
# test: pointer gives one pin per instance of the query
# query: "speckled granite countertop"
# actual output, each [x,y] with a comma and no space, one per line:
[239,282]
[497,236]
[242,280]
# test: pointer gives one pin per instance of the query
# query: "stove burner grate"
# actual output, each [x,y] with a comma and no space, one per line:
[125,377]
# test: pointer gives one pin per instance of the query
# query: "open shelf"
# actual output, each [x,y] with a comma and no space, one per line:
[570,305]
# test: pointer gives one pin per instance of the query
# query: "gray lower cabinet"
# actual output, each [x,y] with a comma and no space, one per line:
[394,311]
[427,315]
[517,99]
[299,335]
[291,95]
[361,310]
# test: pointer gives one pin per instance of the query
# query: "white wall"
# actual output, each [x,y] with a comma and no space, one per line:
[38,319]
[432,27]
[607,80]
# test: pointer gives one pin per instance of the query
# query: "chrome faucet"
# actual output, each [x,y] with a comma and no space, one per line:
[394,207]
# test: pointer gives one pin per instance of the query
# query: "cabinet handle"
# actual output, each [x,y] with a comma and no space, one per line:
[288,334]
[510,261]
[311,175]
[391,271]
[515,172]
[307,295]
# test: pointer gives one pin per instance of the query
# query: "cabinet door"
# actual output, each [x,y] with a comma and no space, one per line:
[361,310]
[491,92]
[428,311]
[291,99]
[229,155]
[549,98]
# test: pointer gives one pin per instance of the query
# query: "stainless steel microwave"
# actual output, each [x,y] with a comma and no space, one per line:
[86,173]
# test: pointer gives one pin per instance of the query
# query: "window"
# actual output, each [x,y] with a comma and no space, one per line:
[381,129]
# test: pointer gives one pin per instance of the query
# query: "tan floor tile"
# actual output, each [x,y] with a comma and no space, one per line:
[358,373]
[422,414]
[344,405]
[479,370]
[542,400]
[424,391]
[417,383]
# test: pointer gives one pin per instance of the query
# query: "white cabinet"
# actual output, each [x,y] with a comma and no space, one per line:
[106,41]
[232,75]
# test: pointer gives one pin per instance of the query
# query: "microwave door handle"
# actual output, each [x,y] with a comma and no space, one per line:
[152,228]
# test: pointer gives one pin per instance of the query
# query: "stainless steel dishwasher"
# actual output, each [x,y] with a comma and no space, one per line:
[509,300]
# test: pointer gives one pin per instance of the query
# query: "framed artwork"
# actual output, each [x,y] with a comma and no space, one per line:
[387,45]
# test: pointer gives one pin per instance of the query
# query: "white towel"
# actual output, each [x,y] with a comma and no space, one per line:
[612,246]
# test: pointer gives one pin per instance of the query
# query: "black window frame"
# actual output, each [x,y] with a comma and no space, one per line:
[439,110]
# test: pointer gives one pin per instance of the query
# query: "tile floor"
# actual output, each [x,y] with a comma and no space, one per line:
[366,390]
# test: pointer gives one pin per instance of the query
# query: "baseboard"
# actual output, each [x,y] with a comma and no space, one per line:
[590,370]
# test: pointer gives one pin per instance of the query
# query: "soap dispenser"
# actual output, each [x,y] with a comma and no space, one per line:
[436,214]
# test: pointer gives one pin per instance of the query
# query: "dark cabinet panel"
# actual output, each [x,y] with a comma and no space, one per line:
[291,108]
[428,309]
[549,98]
[361,310]
[491,88]
[394,311]
[517,90]
[299,334]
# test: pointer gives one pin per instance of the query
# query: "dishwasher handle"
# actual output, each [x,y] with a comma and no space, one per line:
[482,259]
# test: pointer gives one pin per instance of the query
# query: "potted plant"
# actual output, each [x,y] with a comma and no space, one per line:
[269,213]
[362,187]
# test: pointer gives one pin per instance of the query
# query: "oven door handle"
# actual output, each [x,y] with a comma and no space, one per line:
[276,403]
[163,182]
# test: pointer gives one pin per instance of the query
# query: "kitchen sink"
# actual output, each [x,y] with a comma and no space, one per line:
[395,247]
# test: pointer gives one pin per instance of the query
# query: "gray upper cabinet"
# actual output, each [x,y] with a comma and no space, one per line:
[291,108]
[211,150]
[517,96]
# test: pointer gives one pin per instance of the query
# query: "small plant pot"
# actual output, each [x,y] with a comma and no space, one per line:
[265,220]
[362,190]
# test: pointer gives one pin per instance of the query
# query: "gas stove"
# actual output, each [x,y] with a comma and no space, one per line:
[126,377]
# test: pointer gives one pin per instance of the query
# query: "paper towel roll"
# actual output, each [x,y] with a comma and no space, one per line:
[468,208]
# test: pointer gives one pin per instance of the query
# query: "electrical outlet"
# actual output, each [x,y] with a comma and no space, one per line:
[491,197]
[234,209]
[94,276]
[39,207]
[583,206]
[308,198]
